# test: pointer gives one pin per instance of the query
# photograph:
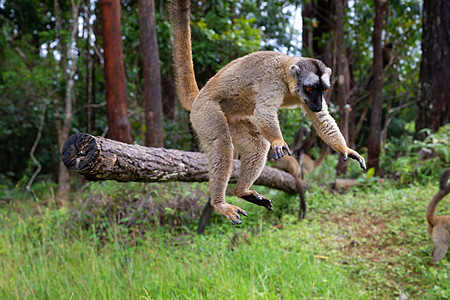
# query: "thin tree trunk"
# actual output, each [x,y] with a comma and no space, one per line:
[114,70]
[374,145]
[343,82]
[89,73]
[63,124]
[152,77]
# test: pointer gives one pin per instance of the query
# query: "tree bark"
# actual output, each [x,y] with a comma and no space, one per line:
[89,68]
[374,143]
[434,89]
[152,76]
[114,70]
[343,82]
[64,123]
[98,158]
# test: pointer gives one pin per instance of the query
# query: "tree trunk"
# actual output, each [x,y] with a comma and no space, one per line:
[343,82]
[64,123]
[434,89]
[114,70]
[374,145]
[152,77]
[97,158]
[89,68]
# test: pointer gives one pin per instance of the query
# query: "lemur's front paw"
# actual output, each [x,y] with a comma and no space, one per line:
[355,155]
[278,147]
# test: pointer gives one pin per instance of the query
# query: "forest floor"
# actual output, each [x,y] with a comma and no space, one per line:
[138,241]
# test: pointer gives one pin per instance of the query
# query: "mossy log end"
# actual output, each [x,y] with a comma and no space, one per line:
[98,158]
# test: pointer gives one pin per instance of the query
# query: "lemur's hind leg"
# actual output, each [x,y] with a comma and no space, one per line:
[211,127]
[253,148]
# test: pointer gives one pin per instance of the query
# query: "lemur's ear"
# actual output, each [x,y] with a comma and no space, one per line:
[294,70]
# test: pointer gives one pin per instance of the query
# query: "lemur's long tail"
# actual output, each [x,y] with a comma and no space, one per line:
[186,84]
[444,189]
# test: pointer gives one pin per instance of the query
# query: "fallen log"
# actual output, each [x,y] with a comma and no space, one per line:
[98,158]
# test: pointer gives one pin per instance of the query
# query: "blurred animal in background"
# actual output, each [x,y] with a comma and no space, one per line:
[300,164]
[387,55]
[290,164]
[388,59]
[439,227]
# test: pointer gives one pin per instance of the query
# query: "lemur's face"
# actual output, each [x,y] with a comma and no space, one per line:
[313,80]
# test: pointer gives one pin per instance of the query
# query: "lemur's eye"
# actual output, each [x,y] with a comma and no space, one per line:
[309,89]
[325,90]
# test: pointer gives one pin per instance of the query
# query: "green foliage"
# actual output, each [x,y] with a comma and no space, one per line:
[368,177]
[177,136]
[418,160]
[31,77]
[400,80]
[290,122]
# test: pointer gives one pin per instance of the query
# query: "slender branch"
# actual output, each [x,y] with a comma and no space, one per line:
[33,149]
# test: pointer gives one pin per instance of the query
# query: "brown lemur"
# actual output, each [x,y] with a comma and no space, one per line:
[300,164]
[439,227]
[237,110]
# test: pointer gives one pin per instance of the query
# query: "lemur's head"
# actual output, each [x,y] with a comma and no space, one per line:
[313,80]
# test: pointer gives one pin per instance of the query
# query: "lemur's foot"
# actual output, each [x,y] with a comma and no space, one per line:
[257,199]
[230,211]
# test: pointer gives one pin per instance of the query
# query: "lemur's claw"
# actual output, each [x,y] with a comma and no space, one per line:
[279,148]
[360,159]
[278,152]
[287,150]
[242,212]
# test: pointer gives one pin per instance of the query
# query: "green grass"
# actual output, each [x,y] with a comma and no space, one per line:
[370,242]
[277,263]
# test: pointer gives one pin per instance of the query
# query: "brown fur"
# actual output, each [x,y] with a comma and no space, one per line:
[298,165]
[306,163]
[291,165]
[237,110]
[439,227]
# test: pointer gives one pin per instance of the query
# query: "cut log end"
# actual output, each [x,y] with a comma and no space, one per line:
[79,152]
